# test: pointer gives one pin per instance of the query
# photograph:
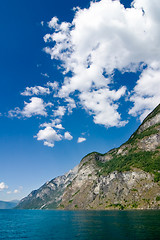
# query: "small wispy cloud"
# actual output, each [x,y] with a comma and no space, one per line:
[3,186]
[37,90]
[9,192]
[68,136]
[45,75]
[16,191]
[81,139]
[53,123]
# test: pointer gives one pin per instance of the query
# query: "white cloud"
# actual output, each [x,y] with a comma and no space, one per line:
[146,94]
[70,104]
[15,113]
[52,133]
[59,126]
[53,22]
[100,104]
[3,186]
[101,39]
[119,38]
[54,123]
[16,191]
[60,111]
[81,139]
[68,136]
[36,107]
[45,75]
[53,85]
[37,90]
[42,23]
[49,136]
[9,192]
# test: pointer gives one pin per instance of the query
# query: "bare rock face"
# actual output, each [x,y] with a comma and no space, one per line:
[151,142]
[49,195]
[121,190]
[80,191]
[127,177]
[149,123]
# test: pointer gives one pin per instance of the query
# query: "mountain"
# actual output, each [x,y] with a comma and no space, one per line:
[127,177]
[8,205]
[49,195]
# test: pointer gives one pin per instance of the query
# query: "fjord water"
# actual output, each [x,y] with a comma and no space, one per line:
[82,225]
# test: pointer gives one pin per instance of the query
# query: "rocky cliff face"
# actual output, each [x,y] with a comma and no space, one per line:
[117,190]
[49,195]
[127,177]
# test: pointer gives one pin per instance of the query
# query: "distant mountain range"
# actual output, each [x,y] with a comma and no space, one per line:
[8,205]
[127,177]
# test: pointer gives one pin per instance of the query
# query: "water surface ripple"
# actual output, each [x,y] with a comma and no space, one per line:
[81,225]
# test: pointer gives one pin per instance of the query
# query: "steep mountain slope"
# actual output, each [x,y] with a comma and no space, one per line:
[49,195]
[124,178]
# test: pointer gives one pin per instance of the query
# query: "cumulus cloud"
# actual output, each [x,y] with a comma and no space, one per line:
[59,126]
[146,94]
[49,136]
[52,132]
[119,38]
[53,85]
[36,107]
[101,39]
[81,139]
[60,111]
[53,123]
[100,104]
[37,90]
[68,136]
[3,186]
[53,22]
[70,104]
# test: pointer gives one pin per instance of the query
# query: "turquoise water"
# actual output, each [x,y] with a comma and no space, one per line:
[81,225]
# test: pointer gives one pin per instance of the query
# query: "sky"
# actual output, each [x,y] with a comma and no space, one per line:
[75,77]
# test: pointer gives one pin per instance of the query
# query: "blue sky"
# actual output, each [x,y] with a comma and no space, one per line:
[71,82]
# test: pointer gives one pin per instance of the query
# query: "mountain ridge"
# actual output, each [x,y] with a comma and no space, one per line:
[127,177]
[8,204]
